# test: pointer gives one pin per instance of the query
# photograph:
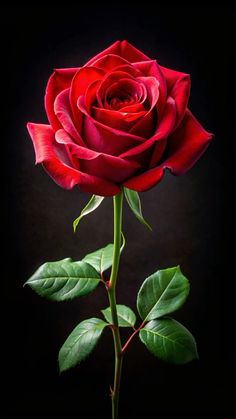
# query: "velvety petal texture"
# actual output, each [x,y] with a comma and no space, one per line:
[119,120]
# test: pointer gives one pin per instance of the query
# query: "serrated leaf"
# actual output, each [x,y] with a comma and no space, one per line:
[126,316]
[101,259]
[133,200]
[162,293]
[80,343]
[169,340]
[64,280]
[93,204]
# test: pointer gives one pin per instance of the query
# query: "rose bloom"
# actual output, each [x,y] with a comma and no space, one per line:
[120,120]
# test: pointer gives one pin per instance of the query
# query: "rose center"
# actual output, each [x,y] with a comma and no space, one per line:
[119,102]
[123,93]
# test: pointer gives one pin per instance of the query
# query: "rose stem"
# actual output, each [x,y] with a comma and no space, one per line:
[117,205]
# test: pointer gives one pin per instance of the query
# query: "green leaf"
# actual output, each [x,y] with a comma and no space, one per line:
[64,279]
[162,293]
[169,340]
[93,203]
[134,203]
[80,342]
[101,259]
[126,317]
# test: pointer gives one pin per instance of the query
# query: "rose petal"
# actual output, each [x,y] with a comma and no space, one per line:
[122,121]
[84,153]
[108,80]
[124,50]
[146,125]
[165,127]
[134,108]
[105,139]
[110,62]
[122,90]
[152,69]
[64,175]
[62,111]
[130,69]
[107,170]
[152,88]
[59,80]
[186,145]
[146,180]
[157,152]
[91,94]
[43,141]
[112,49]
[178,87]
[82,79]
[130,53]
[67,178]
[106,166]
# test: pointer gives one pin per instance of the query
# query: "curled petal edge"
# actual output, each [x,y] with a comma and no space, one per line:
[185,147]
[65,176]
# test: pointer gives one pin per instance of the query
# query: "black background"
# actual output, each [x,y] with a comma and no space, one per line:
[191,218]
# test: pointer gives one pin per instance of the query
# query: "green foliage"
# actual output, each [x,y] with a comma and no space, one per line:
[134,203]
[64,279]
[126,316]
[101,259]
[162,293]
[80,343]
[93,204]
[169,340]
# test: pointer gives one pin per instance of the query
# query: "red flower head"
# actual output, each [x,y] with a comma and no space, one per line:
[121,119]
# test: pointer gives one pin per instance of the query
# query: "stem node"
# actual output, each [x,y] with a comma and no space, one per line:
[108,284]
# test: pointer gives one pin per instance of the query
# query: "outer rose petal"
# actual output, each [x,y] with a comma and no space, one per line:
[105,168]
[64,175]
[124,50]
[185,147]
[109,62]
[146,180]
[178,87]
[59,80]
[112,162]
[130,53]
[112,49]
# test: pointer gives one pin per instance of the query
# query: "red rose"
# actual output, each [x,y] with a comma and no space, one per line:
[121,119]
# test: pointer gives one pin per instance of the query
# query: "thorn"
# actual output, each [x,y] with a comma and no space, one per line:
[111,392]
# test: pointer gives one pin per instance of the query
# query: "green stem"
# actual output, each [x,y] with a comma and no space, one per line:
[117,202]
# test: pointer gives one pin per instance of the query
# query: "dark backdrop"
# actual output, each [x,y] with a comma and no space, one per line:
[190,215]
